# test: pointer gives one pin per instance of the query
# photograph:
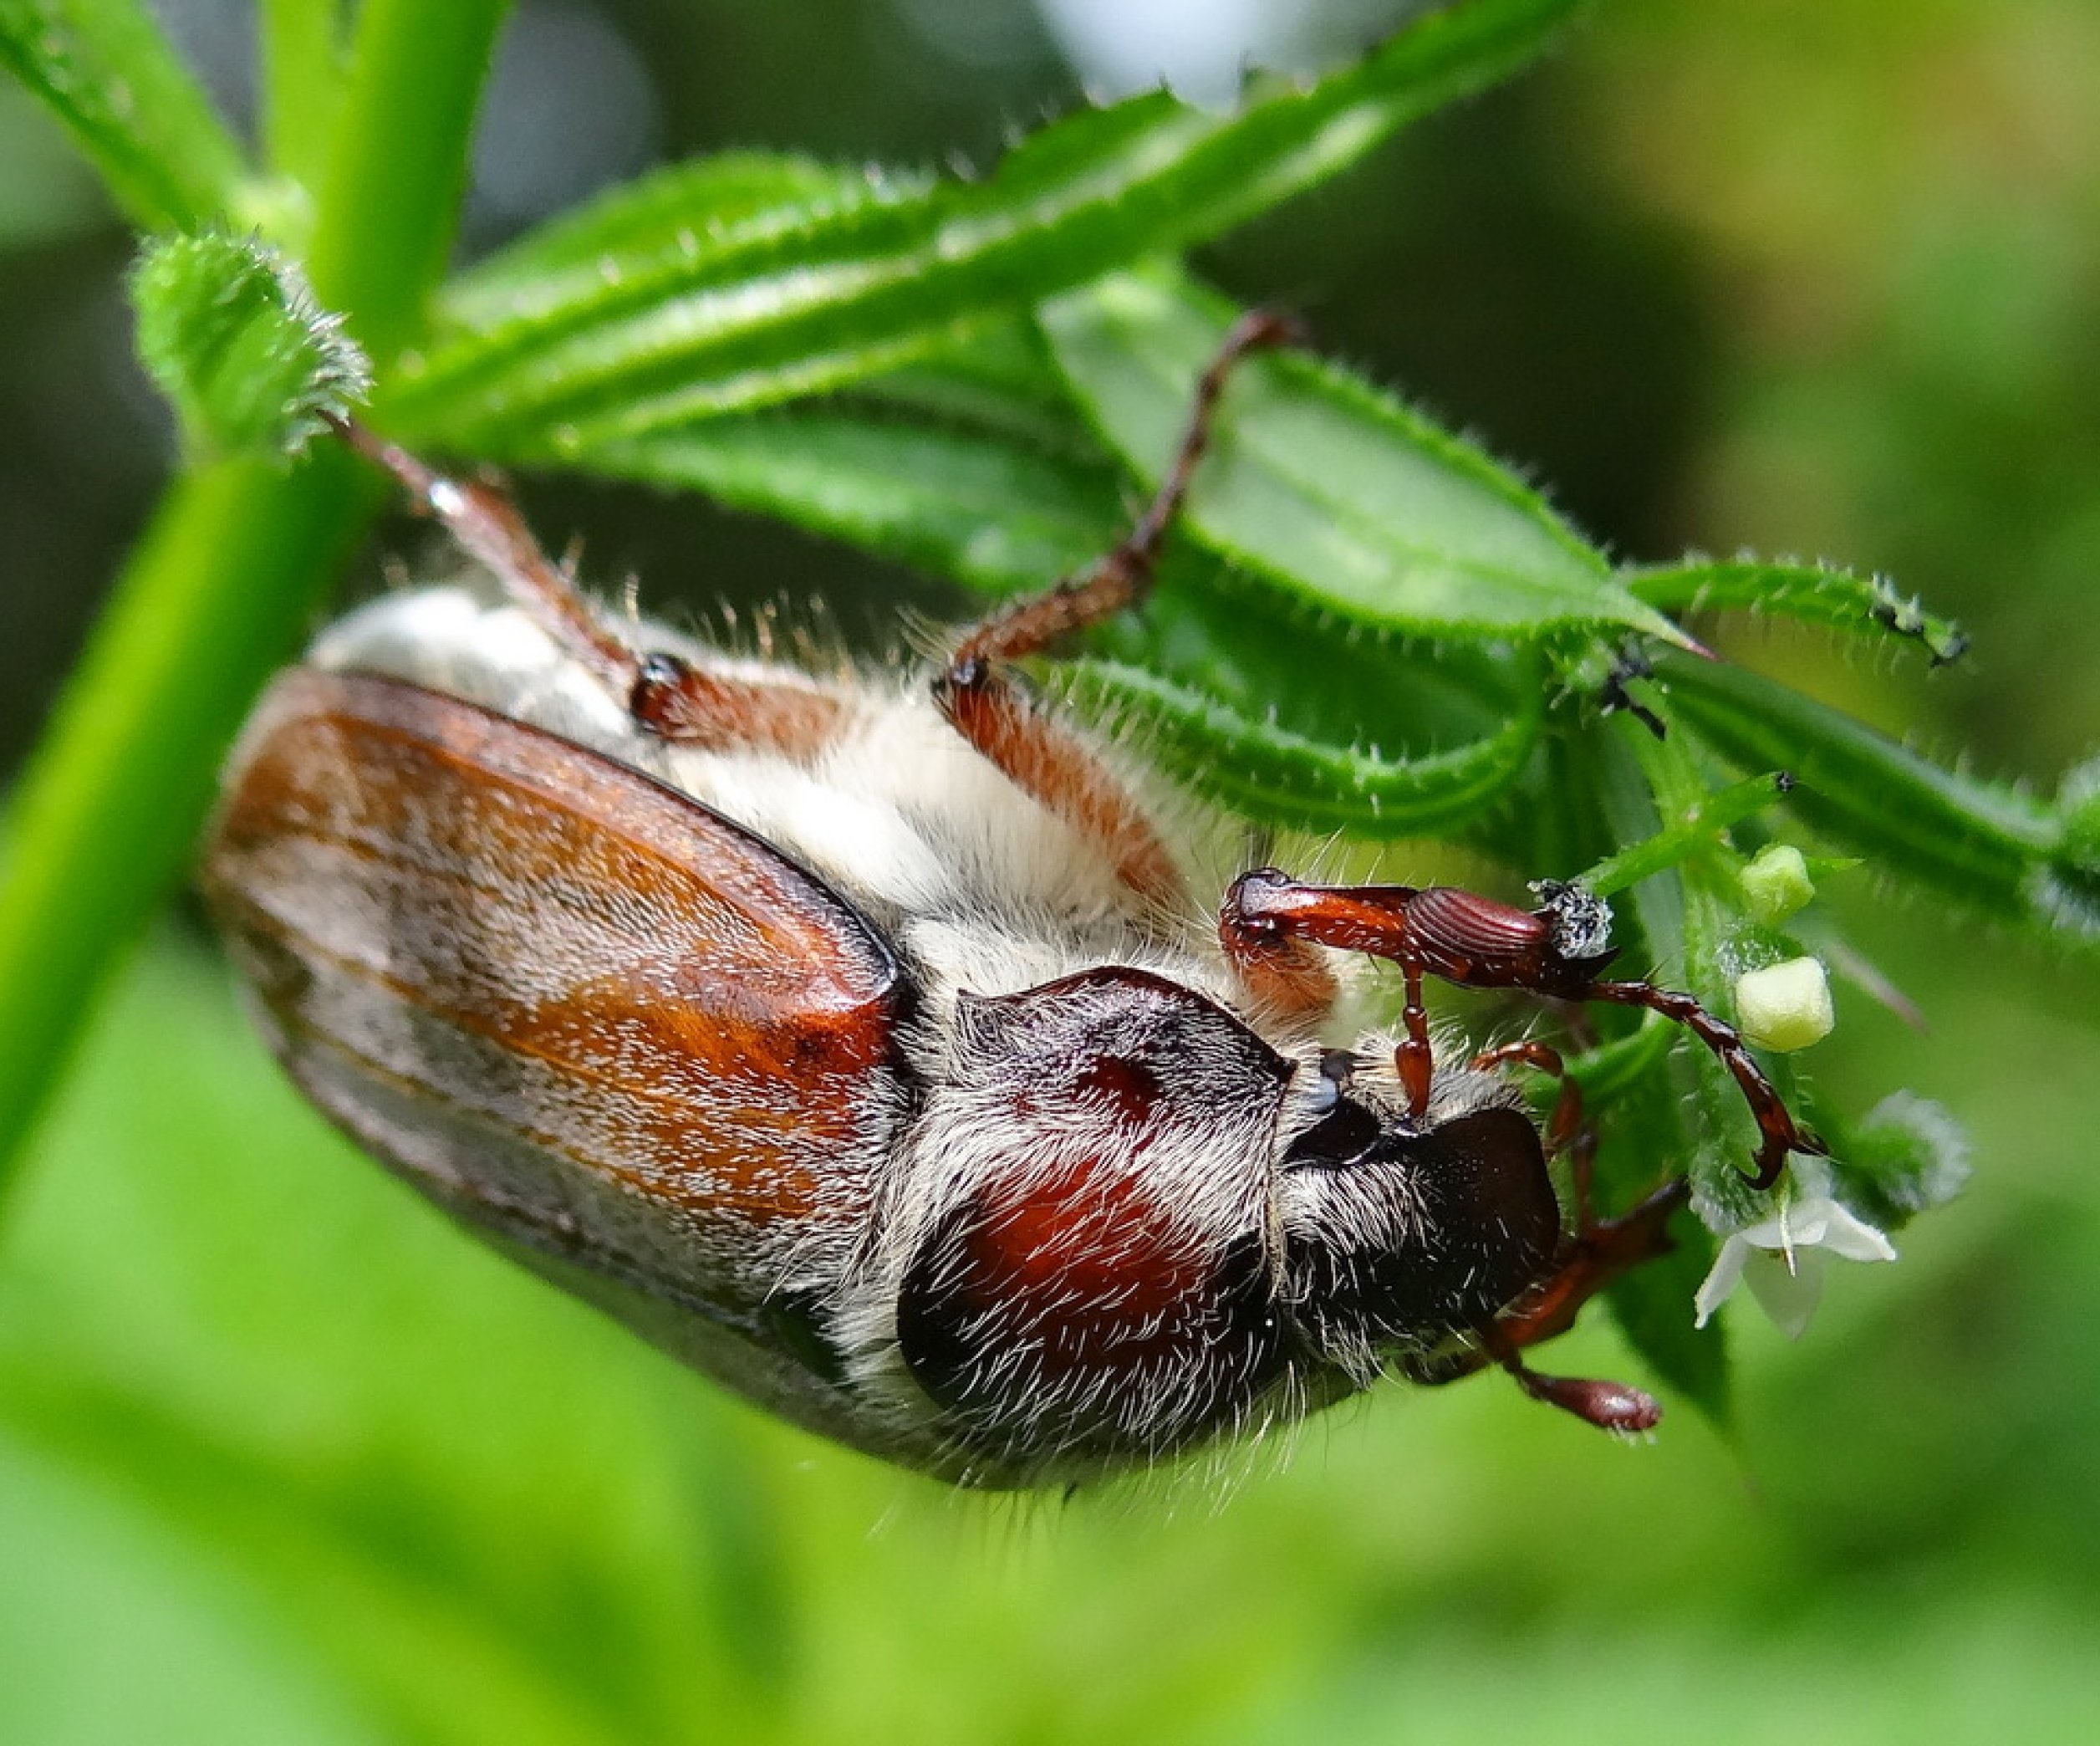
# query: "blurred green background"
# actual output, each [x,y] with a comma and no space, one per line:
[284,1458]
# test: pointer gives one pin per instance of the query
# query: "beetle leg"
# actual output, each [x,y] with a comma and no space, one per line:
[1475,942]
[1781,1134]
[1272,928]
[1565,1125]
[1599,1253]
[1609,1405]
[666,694]
[1036,752]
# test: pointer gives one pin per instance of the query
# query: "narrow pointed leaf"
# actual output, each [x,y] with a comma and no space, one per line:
[992,515]
[1224,702]
[634,341]
[1271,774]
[104,69]
[1983,844]
[1816,594]
[1326,487]
[719,202]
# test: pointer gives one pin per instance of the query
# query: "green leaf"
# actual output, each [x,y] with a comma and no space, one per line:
[634,342]
[991,514]
[1276,777]
[720,202]
[1251,709]
[1983,844]
[1815,593]
[232,334]
[999,381]
[1324,486]
[108,74]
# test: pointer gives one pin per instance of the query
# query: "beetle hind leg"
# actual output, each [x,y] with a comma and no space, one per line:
[666,694]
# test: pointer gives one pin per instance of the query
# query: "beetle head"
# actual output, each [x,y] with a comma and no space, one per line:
[1399,1232]
[1149,1224]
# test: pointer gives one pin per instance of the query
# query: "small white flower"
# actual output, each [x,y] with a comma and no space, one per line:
[1783,1258]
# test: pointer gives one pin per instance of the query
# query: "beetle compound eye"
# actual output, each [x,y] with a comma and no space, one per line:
[1062,1317]
[1342,1136]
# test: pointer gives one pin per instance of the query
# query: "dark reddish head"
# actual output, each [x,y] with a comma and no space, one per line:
[1397,1236]
[1157,1223]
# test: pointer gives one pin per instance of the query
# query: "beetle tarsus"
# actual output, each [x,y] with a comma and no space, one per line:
[1615,1406]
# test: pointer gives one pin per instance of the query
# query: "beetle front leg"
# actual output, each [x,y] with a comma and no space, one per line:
[1475,942]
[1272,929]
[1776,1125]
[1600,1252]
[666,694]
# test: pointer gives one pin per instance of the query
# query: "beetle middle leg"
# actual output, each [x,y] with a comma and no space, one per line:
[665,693]
[1036,752]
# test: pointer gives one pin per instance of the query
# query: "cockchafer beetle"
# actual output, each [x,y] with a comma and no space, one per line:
[854,1037]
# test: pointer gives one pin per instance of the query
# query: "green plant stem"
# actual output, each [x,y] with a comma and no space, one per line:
[399,163]
[301,67]
[1697,828]
[232,567]
[107,811]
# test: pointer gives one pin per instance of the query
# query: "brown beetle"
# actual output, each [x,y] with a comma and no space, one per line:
[857,1040]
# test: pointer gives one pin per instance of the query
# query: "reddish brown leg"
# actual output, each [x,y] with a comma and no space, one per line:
[1038,754]
[1599,1254]
[1775,1122]
[1268,920]
[1566,1122]
[1272,928]
[1601,1251]
[665,693]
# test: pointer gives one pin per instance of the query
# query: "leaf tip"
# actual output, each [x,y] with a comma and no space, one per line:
[230,331]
